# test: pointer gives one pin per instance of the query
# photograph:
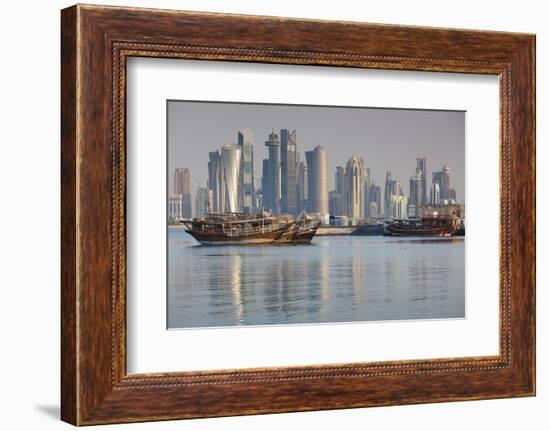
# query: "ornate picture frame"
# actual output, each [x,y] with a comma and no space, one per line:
[96,41]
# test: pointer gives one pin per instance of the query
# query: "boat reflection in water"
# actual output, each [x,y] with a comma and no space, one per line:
[243,229]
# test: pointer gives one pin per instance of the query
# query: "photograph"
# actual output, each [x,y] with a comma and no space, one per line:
[281,214]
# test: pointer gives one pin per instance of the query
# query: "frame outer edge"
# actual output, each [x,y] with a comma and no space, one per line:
[523,216]
[69,201]
[532,198]
[530,63]
[533,54]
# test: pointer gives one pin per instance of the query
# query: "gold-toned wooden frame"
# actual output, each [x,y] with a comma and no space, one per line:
[96,42]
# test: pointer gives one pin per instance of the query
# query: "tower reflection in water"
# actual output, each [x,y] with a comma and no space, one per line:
[336,279]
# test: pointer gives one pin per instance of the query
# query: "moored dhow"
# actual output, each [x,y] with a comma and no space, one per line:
[436,221]
[300,231]
[248,229]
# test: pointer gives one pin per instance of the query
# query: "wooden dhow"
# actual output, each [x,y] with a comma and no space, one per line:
[250,229]
[436,221]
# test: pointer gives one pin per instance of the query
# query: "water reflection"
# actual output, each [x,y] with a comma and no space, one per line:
[337,279]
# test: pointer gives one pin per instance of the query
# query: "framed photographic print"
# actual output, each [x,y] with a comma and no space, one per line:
[268,215]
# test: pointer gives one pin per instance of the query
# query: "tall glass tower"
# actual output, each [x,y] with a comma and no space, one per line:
[288,172]
[317,167]
[215,181]
[416,193]
[340,208]
[387,193]
[273,182]
[182,186]
[374,201]
[443,179]
[421,165]
[302,187]
[231,162]
[355,182]
[246,180]
[366,188]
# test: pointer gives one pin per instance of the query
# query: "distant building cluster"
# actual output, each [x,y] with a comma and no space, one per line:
[289,185]
[398,206]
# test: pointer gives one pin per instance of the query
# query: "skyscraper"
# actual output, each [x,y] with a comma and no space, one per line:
[398,207]
[366,187]
[355,194]
[182,186]
[178,181]
[258,194]
[288,172]
[443,180]
[416,194]
[302,188]
[451,196]
[231,163]
[215,181]
[333,203]
[434,194]
[373,210]
[339,198]
[391,188]
[274,175]
[203,202]
[246,180]
[421,164]
[374,198]
[317,167]
[446,180]
[175,207]
[387,193]
[266,198]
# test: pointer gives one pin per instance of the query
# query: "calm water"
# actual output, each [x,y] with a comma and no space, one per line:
[335,279]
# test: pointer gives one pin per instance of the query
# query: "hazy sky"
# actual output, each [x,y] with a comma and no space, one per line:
[386,139]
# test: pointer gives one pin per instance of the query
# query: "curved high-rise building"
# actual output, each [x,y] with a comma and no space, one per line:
[317,167]
[443,179]
[231,163]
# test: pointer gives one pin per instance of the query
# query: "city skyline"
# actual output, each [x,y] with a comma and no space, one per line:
[354,199]
[285,148]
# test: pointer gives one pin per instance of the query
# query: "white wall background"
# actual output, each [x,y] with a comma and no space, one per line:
[29,216]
